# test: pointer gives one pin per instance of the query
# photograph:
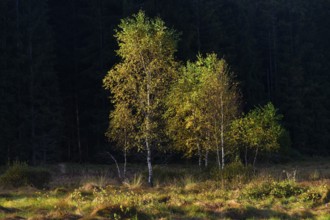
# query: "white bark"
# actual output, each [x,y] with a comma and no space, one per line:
[222,131]
[217,144]
[150,179]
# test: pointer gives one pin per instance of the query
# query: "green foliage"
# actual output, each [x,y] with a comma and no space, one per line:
[283,189]
[258,190]
[201,105]
[189,197]
[121,127]
[258,130]
[20,174]
[312,196]
[139,83]
[286,189]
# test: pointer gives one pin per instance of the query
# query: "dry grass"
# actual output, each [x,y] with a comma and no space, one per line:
[298,192]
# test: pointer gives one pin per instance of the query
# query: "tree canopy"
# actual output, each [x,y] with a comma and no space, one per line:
[258,131]
[278,50]
[201,105]
[141,79]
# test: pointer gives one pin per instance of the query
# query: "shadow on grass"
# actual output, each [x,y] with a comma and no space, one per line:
[4,210]
[239,213]
[120,212]
[6,195]
[252,212]
[9,214]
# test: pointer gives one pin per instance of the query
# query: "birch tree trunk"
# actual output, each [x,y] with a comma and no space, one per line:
[222,131]
[125,155]
[218,149]
[150,179]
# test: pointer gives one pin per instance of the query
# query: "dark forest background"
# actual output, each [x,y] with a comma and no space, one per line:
[54,55]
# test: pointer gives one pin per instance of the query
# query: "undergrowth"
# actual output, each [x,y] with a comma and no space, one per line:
[233,193]
[20,174]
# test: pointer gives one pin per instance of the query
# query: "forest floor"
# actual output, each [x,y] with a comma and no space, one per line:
[298,190]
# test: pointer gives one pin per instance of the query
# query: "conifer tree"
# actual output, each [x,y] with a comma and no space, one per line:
[40,112]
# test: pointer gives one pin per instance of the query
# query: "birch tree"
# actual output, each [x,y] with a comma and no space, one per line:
[221,98]
[257,131]
[201,105]
[142,77]
[186,122]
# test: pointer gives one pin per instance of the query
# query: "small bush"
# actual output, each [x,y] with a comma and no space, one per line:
[283,189]
[286,189]
[258,191]
[20,174]
[316,194]
[311,195]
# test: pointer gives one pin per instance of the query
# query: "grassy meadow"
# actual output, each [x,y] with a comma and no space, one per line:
[299,190]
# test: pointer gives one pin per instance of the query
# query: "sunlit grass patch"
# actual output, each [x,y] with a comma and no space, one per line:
[189,196]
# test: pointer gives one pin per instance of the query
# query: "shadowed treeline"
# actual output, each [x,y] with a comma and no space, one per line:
[54,55]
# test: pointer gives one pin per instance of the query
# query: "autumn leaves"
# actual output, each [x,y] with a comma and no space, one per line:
[160,103]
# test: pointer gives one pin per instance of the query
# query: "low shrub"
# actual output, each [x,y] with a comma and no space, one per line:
[283,189]
[316,194]
[311,195]
[258,190]
[20,174]
[286,189]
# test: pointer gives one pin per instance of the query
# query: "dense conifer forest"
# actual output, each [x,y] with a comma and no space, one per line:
[55,54]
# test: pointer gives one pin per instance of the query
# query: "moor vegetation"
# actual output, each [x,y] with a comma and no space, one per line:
[210,151]
[297,190]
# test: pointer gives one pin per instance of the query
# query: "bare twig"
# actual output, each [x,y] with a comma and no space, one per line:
[114,159]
